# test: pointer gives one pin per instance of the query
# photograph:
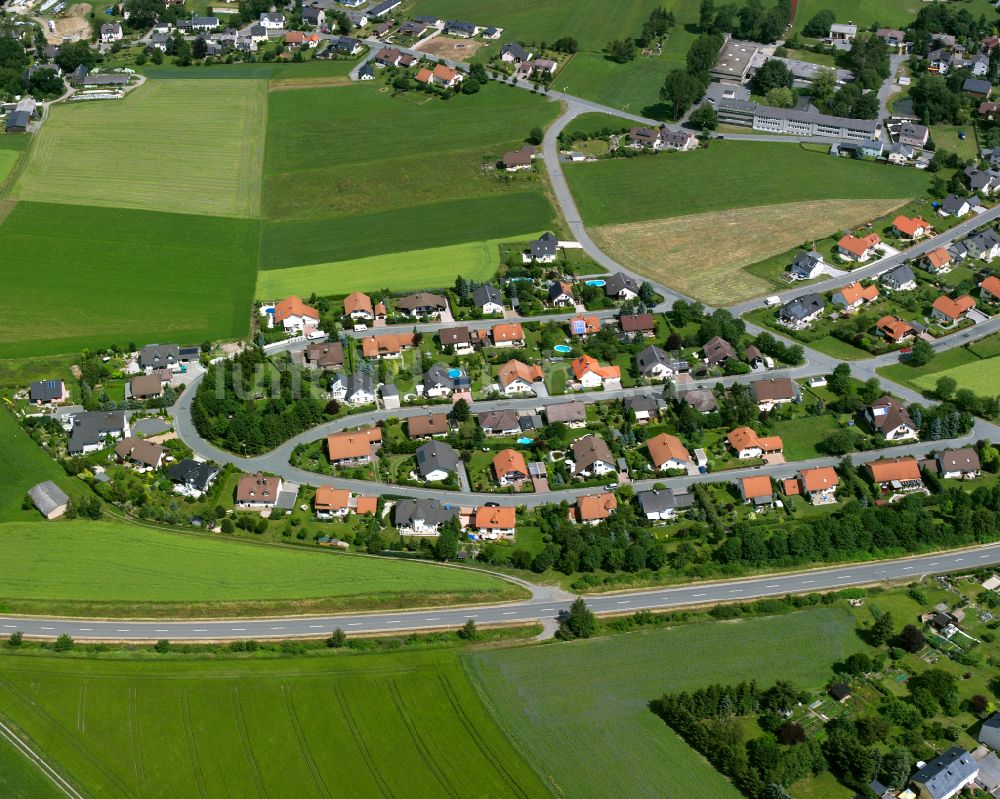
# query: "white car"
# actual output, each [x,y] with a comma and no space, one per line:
[774,299]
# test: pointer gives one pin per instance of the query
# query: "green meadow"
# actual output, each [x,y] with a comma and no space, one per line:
[725,175]
[580,710]
[114,275]
[348,726]
[119,569]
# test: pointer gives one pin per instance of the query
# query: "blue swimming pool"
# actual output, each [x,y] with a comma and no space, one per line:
[595,282]
[525,440]
[453,373]
[562,348]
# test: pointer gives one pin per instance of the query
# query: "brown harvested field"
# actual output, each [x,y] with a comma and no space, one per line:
[705,255]
[286,84]
[455,49]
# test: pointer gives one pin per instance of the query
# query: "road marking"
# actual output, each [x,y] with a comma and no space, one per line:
[907,568]
[277,628]
[935,563]
[806,582]
[775,585]
[355,624]
[736,591]
[694,595]
[84,629]
[315,626]
[394,621]
[52,628]
[624,602]
[199,631]
[117,631]
[472,617]
[509,613]
[959,560]
[10,626]
[239,629]
[161,631]
[844,577]
[548,610]
[432,618]
[880,572]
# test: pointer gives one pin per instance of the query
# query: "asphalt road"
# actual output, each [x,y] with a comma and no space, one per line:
[544,606]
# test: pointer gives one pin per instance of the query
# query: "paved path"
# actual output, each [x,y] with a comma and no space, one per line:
[539,608]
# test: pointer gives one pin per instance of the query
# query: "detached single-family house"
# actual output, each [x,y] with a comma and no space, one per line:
[427,425]
[983,181]
[516,377]
[819,485]
[801,311]
[589,373]
[561,294]
[716,350]
[488,299]
[353,446]
[959,464]
[894,329]
[595,508]
[895,474]
[460,29]
[774,391]
[49,499]
[645,409]
[989,289]
[892,37]
[978,88]
[325,355]
[509,467]
[592,457]
[757,490]
[913,134]
[572,414]
[899,278]
[858,250]
[954,206]
[854,295]
[542,250]
[583,326]
[154,357]
[891,419]
[499,423]
[745,442]
[621,287]
[667,452]
[653,363]
[272,21]
[358,306]
[314,16]
[422,303]
[150,386]
[807,265]
[441,75]
[436,461]
[664,504]
[701,399]
[387,345]
[951,311]
[514,53]
[984,246]
[516,160]
[492,521]
[946,775]
[458,338]
[637,323]
[44,392]
[331,503]
[911,228]
[508,335]
[440,381]
[843,32]
[355,389]
[422,517]
[937,261]
[139,452]
[191,478]
[257,491]
[111,32]
[93,430]
[294,315]
[204,23]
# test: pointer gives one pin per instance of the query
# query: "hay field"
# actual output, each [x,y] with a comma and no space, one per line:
[187,146]
[705,255]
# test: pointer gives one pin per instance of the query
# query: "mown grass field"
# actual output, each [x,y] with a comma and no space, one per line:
[728,175]
[405,231]
[118,569]
[580,711]
[705,255]
[352,726]
[187,146]
[967,361]
[983,378]
[397,271]
[273,71]
[118,275]
[32,466]
[888,13]
[22,779]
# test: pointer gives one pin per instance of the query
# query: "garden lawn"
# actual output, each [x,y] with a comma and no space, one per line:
[946,138]
[347,726]
[22,779]
[118,569]
[113,275]
[580,710]
[802,436]
[982,378]
[187,146]
[728,174]
[26,465]
[910,376]
[406,230]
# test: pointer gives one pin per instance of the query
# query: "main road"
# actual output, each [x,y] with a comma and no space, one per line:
[545,605]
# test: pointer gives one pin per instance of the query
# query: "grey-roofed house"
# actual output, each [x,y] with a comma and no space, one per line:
[977,87]
[204,23]
[663,504]
[945,775]
[456,27]
[488,299]
[621,286]
[717,350]
[50,500]
[654,363]
[514,53]
[801,311]
[573,413]
[955,206]
[807,265]
[421,516]
[17,122]
[644,408]
[365,72]
[191,478]
[899,278]
[159,356]
[499,423]
[989,733]
[701,399]
[43,391]
[383,8]
[985,181]
[422,303]
[313,16]
[984,245]
[436,461]
[439,382]
[91,430]
[357,388]
[542,250]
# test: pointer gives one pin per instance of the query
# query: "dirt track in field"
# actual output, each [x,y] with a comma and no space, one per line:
[705,255]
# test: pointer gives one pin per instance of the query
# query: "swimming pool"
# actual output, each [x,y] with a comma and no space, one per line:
[525,440]
[562,348]
[595,282]
[453,373]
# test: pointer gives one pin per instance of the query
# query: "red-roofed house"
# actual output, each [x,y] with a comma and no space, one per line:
[745,442]
[937,261]
[595,508]
[989,289]
[493,522]
[896,474]
[590,374]
[857,249]
[757,489]
[912,228]
[894,329]
[294,315]
[854,295]
[667,452]
[509,467]
[949,311]
[819,484]
[583,326]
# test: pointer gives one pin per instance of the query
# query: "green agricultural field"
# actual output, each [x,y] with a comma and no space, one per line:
[187,146]
[119,569]
[580,710]
[350,726]
[22,779]
[33,466]
[728,175]
[117,275]
[274,71]
[396,271]
[955,358]
[403,231]
[887,13]
[633,87]
[982,378]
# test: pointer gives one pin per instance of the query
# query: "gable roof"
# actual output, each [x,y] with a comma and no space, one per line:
[46,390]
[356,301]
[717,349]
[514,369]
[665,447]
[509,461]
[520,157]
[858,246]
[637,323]
[887,470]
[965,459]
[590,450]
[495,517]
[385,344]
[47,497]
[482,295]
[619,282]
[894,415]
[664,499]
[329,498]
[854,293]
[594,507]
[429,511]
[909,226]
[422,299]
[651,356]
[774,388]
[499,420]
[757,487]
[899,276]
[819,479]
[427,424]
[508,331]
[946,773]
[293,306]
[954,308]
[352,443]
[257,488]
[801,307]
[894,328]
[572,411]
[191,472]
[585,364]
[992,285]
[938,258]
[742,438]
[434,456]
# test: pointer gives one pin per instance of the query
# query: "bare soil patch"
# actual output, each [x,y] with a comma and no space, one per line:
[705,255]
[454,49]
[70,28]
